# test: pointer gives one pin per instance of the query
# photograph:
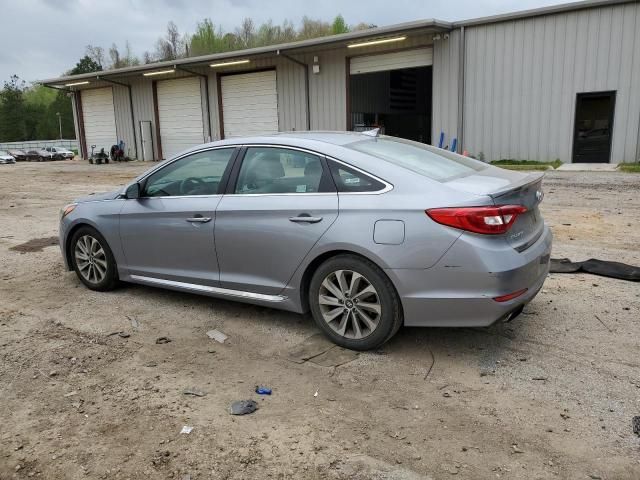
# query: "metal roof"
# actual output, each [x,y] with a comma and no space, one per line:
[538,12]
[291,47]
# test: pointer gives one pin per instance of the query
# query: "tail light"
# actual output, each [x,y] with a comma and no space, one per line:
[485,220]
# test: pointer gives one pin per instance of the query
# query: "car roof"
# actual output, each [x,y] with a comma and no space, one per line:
[300,139]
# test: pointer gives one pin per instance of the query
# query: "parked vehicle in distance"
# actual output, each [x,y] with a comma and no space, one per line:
[19,155]
[60,153]
[39,155]
[5,158]
[367,232]
[98,157]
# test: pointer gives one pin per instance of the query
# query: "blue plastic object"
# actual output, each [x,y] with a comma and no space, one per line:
[454,144]
[263,390]
[441,142]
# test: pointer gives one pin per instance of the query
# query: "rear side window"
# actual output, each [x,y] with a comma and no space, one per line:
[274,170]
[426,160]
[350,180]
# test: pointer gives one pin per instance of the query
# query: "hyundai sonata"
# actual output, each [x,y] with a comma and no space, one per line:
[367,232]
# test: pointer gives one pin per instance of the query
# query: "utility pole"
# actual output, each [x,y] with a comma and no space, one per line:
[60,123]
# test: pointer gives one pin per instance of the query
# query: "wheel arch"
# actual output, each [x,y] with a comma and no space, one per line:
[69,237]
[310,269]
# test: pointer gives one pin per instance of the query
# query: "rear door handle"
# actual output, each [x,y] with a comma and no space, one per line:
[199,219]
[305,219]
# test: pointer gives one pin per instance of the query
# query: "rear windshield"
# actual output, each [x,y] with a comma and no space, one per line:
[426,160]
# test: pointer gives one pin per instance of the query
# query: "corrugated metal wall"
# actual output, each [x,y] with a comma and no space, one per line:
[143,110]
[124,127]
[522,77]
[446,67]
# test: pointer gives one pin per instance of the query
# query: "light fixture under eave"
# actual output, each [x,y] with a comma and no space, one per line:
[159,72]
[377,42]
[227,64]
[75,84]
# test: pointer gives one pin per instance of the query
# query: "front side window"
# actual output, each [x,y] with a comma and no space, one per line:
[197,174]
[279,170]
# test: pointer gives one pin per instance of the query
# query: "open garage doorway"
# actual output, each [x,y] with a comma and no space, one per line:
[392,92]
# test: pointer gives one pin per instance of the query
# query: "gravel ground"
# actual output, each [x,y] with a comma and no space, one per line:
[549,395]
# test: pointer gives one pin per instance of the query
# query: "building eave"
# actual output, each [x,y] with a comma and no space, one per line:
[430,25]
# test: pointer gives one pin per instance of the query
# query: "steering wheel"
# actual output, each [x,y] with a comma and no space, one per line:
[191,184]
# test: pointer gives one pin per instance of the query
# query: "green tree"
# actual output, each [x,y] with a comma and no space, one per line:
[313,29]
[42,106]
[85,65]
[12,111]
[339,25]
[205,40]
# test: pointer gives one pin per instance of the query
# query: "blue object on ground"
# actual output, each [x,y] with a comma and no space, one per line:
[263,390]
[441,142]
[454,144]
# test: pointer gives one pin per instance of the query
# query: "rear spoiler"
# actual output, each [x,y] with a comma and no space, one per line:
[525,182]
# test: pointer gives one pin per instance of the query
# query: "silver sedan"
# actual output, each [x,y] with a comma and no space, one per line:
[367,232]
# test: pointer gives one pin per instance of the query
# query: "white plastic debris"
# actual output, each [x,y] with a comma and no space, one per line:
[186,429]
[217,335]
[315,394]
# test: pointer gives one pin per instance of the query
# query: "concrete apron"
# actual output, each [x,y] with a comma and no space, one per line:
[588,167]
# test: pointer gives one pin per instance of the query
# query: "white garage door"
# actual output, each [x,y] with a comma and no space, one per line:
[180,112]
[249,104]
[418,57]
[99,119]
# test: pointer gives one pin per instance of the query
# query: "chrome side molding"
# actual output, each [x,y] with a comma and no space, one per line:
[207,289]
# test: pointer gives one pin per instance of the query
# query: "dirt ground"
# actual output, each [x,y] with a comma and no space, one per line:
[549,395]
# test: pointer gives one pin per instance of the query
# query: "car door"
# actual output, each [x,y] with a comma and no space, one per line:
[279,202]
[167,233]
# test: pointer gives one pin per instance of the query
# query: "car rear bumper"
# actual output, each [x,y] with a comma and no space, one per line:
[459,290]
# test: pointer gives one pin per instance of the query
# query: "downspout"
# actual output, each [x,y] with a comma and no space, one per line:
[206,92]
[461,60]
[306,82]
[133,121]
[82,149]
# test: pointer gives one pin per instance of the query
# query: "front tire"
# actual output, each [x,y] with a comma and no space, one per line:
[354,303]
[93,260]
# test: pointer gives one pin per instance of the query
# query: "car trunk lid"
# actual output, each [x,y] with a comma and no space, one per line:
[507,187]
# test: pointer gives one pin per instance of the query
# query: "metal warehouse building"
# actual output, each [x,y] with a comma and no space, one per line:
[559,82]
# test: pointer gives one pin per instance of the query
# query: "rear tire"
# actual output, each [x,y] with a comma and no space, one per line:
[354,303]
[93,260]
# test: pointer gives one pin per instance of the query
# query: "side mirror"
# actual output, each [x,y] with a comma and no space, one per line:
[133,191]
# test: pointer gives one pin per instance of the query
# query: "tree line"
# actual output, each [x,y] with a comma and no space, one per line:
[209,38]
[29,111]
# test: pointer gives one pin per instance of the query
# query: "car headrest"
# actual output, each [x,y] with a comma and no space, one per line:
[313,169]
[267,167]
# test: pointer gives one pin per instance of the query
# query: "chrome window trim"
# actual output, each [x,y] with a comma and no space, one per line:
[388,186]
[207,289]
[181,196]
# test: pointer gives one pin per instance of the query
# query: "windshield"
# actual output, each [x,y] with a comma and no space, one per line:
[426,160]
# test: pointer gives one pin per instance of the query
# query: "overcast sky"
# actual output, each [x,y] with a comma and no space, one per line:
[43,38]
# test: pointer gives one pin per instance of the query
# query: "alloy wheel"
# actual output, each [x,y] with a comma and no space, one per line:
[349,304]
[91,259]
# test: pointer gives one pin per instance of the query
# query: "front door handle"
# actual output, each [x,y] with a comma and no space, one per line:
[305,219]
[199,219]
